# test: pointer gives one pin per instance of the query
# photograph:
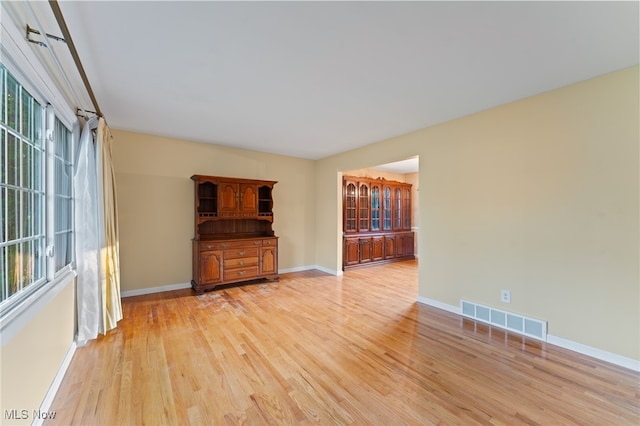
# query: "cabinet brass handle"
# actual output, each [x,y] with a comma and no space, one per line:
[209,246]
[242,272]
[241,263]
[257,243]
[241,253]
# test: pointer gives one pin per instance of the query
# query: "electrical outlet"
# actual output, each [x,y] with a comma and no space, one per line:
[505,296]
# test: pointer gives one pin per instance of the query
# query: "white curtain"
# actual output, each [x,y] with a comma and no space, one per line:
[98,283]
[109,235]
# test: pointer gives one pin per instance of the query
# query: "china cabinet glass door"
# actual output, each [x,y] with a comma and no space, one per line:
[350,208]
[375,208]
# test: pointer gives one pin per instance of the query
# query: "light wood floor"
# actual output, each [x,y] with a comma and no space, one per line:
[315,348]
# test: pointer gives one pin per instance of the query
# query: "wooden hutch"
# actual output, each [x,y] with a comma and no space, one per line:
[376,221]
[234,240]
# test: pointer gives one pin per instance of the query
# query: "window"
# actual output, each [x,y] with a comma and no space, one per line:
[63,197]
[23,194]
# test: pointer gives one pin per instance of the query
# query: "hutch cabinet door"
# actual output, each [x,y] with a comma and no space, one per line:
[365,250]
[409,245]
[389,247]
[351,251]
[406,208]
[377,248]
[386,208]
[268,259]
[228,199]
[397,209]
[375,207]
[363,207]
[248,200]
[210,267]
[400,245]
[350,207]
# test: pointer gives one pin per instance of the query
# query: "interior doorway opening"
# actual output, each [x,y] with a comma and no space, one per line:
[380,221]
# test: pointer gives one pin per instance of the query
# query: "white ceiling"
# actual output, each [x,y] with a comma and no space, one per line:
[410,165]
[312,79]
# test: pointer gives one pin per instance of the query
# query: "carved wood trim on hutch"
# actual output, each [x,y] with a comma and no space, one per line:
[234,240]
[376,224]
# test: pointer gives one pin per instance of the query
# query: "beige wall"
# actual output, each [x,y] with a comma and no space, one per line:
[413,179]
[155,203]
[30,360]
[539,196]
[373,173]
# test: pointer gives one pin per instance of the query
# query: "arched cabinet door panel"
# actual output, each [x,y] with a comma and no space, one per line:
[248,206]
[406,208]
[268,260]
[387,208]
[351,251]
[229,199]
[377,248]
[211,267]
[350,209]
[375,207]
[397,209]
[363,207]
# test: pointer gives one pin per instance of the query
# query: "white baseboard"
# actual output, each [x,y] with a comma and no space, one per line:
[151,290]
[630,363]
[180,286]
[328,271]
[55,385]
[296,269]
[310,267]
[440,305]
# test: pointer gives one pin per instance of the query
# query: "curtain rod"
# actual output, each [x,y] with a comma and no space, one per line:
[55,7]
[50,50]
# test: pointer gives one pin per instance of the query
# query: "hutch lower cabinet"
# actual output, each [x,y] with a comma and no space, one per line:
[234,240]
[376,221]
[368,249]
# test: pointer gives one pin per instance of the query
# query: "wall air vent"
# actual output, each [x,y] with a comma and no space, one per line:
[509,321]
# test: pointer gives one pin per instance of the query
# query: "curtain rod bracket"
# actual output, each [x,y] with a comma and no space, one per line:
[41,43]
[79,113]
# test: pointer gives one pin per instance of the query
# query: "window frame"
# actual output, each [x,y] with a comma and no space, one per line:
[19,59]
[21,140]
[56,135]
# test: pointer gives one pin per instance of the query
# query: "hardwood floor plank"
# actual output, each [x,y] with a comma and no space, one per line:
[320,349]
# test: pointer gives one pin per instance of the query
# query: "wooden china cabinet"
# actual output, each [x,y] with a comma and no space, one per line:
[376,221]
[234,240]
